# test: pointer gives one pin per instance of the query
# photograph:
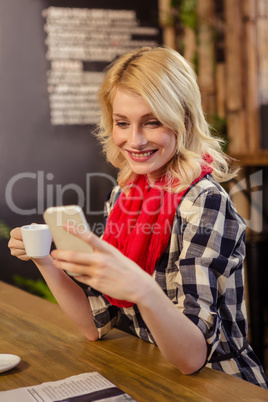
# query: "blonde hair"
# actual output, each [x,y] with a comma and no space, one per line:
[167,82]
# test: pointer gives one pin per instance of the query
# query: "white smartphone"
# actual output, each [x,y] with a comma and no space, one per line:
[71,215]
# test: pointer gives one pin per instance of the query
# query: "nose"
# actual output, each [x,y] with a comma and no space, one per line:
[137,139]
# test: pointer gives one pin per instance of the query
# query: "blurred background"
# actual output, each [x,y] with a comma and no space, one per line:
[52,56]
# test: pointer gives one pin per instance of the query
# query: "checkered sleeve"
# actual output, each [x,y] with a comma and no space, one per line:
[211,240]
[105,315]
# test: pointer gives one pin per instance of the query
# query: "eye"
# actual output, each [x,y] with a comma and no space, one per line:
[153,123]
[121,124]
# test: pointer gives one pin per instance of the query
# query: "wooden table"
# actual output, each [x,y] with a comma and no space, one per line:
[51,349]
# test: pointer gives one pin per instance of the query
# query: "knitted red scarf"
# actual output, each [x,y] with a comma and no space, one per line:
[140,223]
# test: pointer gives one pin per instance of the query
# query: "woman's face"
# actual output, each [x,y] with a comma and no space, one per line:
[146,144]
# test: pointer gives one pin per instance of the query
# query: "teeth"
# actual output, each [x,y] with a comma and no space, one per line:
[141,155]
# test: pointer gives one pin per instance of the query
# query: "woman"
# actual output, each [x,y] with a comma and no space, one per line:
[171,258]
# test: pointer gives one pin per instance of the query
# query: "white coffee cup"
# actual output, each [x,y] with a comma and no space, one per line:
[37,240]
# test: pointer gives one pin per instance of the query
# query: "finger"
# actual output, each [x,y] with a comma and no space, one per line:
[23,257]
[84,279]
[90,238]
[72,267]
[19,254]
[16,234]
[74,257]
[16,244]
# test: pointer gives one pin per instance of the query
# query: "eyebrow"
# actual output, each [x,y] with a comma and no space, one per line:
[125,117]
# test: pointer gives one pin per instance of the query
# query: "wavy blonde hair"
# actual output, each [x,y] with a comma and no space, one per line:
[167,82]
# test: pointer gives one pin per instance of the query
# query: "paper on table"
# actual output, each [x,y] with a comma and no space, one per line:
[79,388]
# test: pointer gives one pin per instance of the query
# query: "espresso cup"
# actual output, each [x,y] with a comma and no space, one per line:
[37,240]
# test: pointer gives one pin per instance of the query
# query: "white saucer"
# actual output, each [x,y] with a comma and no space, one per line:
[7,362]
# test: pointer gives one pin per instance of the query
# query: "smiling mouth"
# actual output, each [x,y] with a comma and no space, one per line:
[142,154]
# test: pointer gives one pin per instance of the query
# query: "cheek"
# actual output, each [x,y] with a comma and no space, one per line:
[169,142]
[117,138]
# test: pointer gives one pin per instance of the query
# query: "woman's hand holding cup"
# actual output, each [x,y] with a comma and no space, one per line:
[30,241]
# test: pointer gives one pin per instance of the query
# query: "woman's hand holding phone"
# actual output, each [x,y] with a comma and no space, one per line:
[105,269]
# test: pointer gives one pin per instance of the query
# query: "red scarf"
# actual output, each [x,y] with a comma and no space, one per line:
[140,223]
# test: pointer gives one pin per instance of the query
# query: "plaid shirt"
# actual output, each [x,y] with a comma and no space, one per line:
[202,273]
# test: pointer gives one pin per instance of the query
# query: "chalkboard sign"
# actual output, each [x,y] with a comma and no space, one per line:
[52,54]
